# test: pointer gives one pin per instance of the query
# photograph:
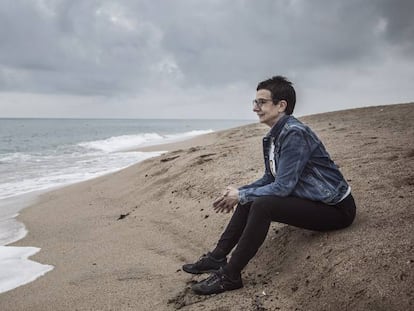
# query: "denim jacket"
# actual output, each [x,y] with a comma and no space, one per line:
[303,167]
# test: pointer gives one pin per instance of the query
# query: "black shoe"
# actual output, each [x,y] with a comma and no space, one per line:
[205,264]
[216,283]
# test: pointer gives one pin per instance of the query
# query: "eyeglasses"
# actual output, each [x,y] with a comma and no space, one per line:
[260,102]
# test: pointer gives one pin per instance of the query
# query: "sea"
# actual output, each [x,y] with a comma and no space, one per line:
[37,155]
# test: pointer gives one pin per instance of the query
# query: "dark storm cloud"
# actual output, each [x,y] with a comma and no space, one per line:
[400,25]
[234,42]
[72,46]
[105,47]
[251,39]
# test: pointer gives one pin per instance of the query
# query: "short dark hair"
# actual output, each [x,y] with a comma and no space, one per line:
[281,89]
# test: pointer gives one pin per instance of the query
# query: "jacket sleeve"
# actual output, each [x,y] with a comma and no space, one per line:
[295,152]
[266,179]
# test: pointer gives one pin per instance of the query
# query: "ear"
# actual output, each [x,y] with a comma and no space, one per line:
[282,105]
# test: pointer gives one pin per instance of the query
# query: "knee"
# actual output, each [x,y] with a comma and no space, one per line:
[349,220]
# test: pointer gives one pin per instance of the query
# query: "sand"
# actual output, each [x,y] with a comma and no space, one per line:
[118,242]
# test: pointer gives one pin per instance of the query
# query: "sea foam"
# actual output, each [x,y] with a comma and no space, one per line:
[127,142]
[124,142]
[17,269]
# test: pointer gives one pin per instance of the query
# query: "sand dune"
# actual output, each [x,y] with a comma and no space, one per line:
[118,242]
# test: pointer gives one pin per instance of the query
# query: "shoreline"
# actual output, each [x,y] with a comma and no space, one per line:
[12,207]
[17,268]
[103,261]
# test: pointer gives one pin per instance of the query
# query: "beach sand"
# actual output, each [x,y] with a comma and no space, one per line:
[118,242]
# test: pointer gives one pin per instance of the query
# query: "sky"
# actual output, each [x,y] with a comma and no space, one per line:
[200,59]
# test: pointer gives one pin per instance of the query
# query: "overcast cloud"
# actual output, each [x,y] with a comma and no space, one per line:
[200,59]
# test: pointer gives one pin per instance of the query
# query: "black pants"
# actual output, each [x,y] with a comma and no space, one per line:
[250,223]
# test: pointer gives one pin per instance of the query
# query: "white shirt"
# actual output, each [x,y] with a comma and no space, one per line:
[272,163]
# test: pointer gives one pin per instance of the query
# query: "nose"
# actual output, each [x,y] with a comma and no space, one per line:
[256,108]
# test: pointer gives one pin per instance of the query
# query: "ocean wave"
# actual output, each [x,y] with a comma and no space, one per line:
[119,143]
[127,142]
[62,170]
[12,157]
[67,164]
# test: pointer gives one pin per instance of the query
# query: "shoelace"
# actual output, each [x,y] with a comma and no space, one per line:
[214,278]
[205,257]
[202,258]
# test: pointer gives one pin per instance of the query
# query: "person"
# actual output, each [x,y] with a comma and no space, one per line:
[301,186]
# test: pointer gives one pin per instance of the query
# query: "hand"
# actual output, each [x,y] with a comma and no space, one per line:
[227,201]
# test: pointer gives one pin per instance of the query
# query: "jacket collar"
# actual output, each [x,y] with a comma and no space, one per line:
[277,128]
